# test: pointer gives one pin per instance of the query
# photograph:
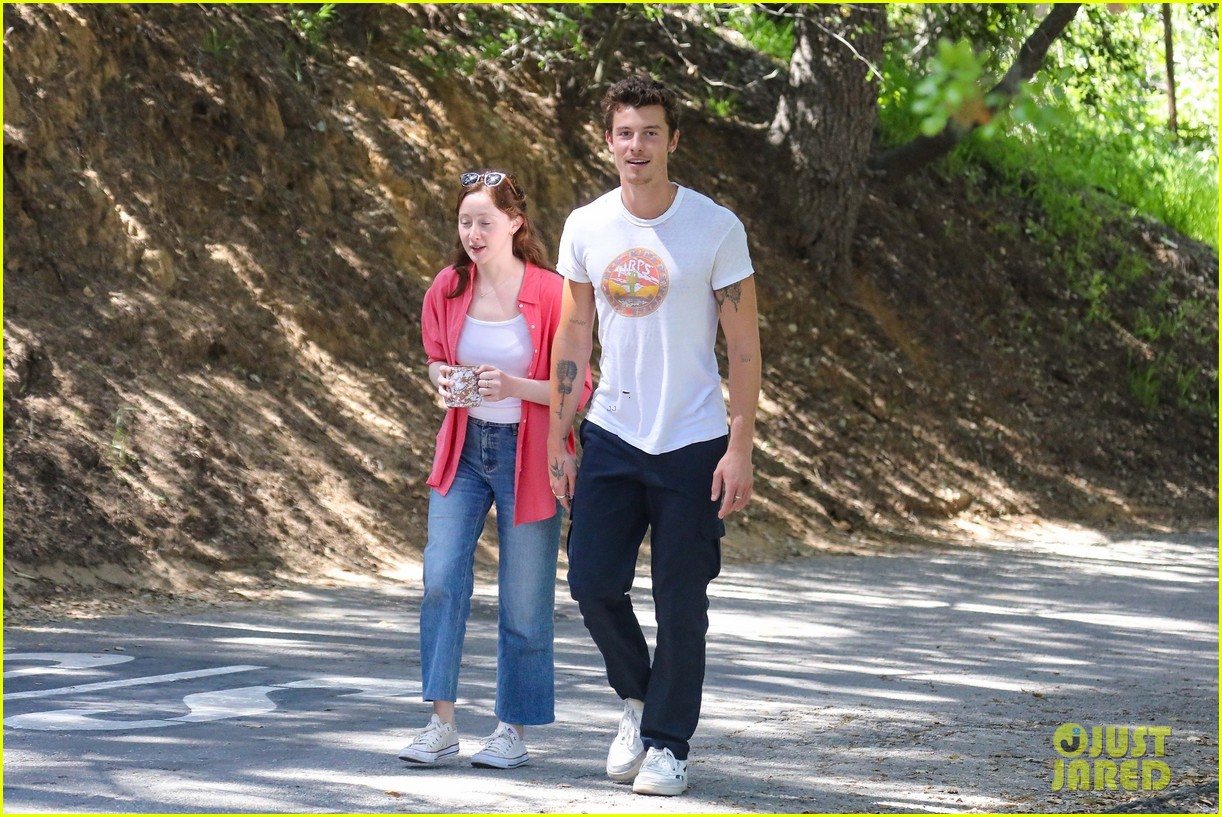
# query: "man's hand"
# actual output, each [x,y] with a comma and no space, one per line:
[562,472]
[732,482]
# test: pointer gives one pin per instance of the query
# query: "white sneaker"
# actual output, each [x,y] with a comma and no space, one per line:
[503,749]
[626,752]
[661,773]
[435,741]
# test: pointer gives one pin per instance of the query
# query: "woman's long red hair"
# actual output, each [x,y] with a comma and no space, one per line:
[510,199]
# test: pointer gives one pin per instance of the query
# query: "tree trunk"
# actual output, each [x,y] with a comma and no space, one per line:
[1170,55]
[824,122]
[898,163]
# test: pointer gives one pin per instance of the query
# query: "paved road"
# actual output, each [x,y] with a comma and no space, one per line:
[906,683]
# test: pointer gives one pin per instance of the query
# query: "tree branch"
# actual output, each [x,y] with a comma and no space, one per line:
[607,45]
[898,163]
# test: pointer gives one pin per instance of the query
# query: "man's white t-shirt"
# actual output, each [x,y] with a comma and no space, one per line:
[659,388]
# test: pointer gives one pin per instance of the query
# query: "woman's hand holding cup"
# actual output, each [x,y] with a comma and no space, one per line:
[493,384]
[458,386]
[443,381]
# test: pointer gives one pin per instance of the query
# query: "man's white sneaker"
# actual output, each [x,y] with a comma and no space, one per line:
[627,752]
[661,773]
[503,749]
[435,741]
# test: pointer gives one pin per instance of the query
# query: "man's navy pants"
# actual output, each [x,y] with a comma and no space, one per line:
[620,492]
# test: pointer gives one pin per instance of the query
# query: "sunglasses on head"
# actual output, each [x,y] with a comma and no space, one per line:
[491,179]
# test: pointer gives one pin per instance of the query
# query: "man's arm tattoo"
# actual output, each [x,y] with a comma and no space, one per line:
[557,470]
[566,373]
[732,293]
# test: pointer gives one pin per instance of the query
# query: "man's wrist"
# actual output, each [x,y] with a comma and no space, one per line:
[742,436]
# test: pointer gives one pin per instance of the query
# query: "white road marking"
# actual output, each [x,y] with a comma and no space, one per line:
[61,720]
[128,682]
[369,687]
[205,706]
[62,661]
[239,702]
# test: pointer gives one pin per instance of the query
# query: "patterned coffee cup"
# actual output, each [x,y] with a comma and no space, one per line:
[464,387]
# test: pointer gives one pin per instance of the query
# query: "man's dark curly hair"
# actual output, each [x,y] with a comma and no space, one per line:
[637,92]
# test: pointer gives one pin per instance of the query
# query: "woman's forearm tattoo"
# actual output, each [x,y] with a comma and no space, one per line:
[732,293]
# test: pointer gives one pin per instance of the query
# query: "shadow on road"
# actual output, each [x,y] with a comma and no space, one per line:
[918,682]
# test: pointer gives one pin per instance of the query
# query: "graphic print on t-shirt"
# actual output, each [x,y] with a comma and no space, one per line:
[635,283]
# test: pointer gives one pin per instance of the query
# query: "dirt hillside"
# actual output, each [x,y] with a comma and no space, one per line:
[217,234]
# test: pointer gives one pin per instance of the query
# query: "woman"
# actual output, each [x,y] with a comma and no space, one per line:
[495,307]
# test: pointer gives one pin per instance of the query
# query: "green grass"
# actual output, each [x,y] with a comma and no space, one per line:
[1086,176]
[1149,173]
[766,33]
[1136,164]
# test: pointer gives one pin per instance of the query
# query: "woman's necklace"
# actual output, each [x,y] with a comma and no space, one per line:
[496,287]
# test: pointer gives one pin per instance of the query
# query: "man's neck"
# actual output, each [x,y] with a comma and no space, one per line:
[648,201]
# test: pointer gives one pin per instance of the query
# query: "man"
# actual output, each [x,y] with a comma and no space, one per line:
[661,266]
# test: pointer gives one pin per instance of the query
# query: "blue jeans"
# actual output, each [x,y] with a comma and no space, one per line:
[525,689]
